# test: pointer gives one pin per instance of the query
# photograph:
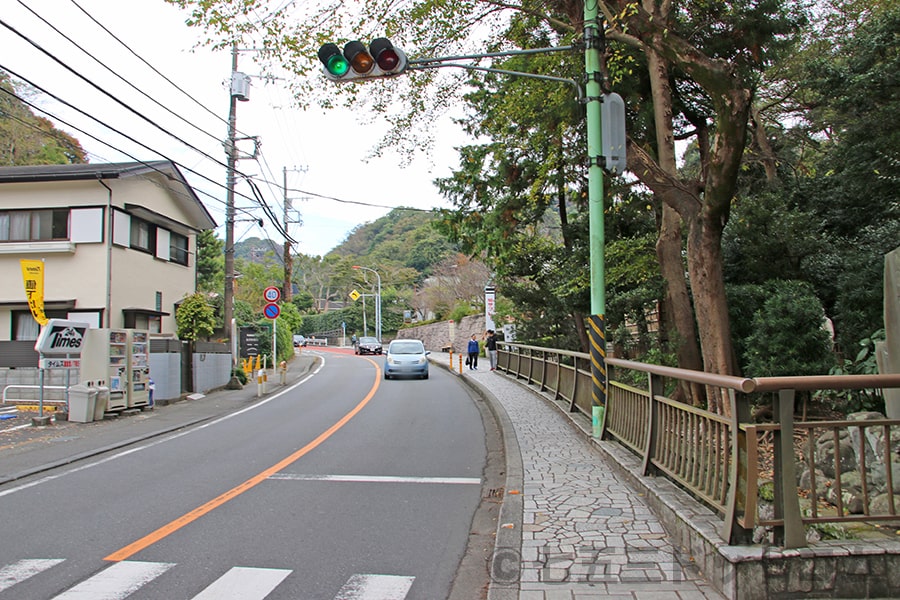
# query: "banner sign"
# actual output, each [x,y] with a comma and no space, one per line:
[60,337]
[489,298]
[33,276]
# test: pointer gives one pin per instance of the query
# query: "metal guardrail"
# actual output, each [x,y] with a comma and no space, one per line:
[7,400]
[724,460]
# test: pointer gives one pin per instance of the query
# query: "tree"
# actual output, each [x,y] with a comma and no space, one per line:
[195,318]
[457,280]
[825,117]
[29,139]
[788,334]
[210,262]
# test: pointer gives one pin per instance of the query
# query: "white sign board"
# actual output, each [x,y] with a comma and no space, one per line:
[489,307]
[61,337]
[60,363]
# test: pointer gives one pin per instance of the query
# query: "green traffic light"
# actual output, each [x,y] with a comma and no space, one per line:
[334,61]
[338,65]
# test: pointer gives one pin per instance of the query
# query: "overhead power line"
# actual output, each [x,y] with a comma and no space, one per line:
[119,76]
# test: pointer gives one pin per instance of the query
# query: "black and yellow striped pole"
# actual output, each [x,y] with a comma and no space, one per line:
[593,37]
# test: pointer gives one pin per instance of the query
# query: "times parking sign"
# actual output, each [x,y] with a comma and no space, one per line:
[61,337]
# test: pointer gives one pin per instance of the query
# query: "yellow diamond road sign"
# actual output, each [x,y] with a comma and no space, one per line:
[354,295]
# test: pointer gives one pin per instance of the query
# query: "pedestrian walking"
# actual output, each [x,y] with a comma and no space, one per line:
[490,348]
[473,350]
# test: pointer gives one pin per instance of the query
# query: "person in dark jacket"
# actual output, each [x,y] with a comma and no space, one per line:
[473,351]
[490,347]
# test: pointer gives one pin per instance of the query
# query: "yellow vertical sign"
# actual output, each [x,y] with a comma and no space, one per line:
[33,276]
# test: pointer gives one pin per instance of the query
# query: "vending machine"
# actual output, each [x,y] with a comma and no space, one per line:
[138,368]
[104,362]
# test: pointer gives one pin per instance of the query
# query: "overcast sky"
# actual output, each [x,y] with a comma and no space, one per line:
[323,152]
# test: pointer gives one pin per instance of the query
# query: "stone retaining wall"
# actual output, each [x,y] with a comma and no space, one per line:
[438,336]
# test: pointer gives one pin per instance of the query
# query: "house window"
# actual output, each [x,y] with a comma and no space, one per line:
[34,225]
[143,235]
[24,327]
[178,248]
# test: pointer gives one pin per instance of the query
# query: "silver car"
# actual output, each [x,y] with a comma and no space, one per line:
[406,357]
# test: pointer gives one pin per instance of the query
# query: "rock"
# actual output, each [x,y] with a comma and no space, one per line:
[825,456]
[821,482]
[878,476]
[880,505]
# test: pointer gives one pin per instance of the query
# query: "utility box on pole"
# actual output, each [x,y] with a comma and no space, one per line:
[612,114]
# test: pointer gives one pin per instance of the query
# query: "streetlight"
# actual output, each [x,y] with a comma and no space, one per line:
[377,300]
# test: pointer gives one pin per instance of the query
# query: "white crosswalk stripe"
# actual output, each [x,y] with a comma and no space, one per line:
[120,580]
[244,583]
[17,572]
[375,587]
[116,582]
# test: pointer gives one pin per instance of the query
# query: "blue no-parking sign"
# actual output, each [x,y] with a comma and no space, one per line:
[271,311]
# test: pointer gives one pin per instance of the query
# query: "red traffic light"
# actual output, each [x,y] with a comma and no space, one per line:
[382,50]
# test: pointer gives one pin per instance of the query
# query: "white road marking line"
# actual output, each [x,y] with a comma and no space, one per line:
[17,572]
[375,587]
[244,583]
[116,582]
[377,479]
[162,440]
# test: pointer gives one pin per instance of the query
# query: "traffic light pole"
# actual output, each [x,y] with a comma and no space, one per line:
[593,37]
[592,98]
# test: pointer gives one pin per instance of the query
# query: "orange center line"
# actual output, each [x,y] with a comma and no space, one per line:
[166,530]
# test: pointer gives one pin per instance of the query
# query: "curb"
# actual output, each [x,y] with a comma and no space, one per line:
[508,541]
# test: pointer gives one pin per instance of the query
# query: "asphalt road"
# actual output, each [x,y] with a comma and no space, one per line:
[345,486]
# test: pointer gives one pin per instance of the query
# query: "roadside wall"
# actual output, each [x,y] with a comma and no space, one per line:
[438,336]
[211,370]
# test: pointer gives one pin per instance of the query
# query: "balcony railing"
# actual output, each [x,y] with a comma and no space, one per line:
[802,472]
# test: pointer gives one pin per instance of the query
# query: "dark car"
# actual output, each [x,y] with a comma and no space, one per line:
[368,345]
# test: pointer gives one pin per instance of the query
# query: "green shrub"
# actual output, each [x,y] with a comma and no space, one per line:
[788,335]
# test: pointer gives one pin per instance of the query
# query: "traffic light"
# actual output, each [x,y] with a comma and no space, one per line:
[356,62]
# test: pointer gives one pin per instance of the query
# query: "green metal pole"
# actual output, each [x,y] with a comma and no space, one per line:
[593,36]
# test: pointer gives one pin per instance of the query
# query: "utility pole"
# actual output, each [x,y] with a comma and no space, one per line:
[288,258]
[231,150]
[288,255]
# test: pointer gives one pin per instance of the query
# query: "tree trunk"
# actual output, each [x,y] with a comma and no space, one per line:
[583,338]
[705,266]
[703,205]
[669,242]
[684,339]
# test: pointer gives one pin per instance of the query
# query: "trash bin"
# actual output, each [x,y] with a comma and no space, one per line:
[101,403]
[82,400]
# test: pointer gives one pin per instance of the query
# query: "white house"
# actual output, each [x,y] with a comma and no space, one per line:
[118,243]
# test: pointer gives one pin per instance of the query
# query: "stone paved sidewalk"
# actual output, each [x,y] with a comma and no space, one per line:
[585,534]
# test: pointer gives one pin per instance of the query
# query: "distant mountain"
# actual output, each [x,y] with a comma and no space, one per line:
[256,249]
[405,237]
